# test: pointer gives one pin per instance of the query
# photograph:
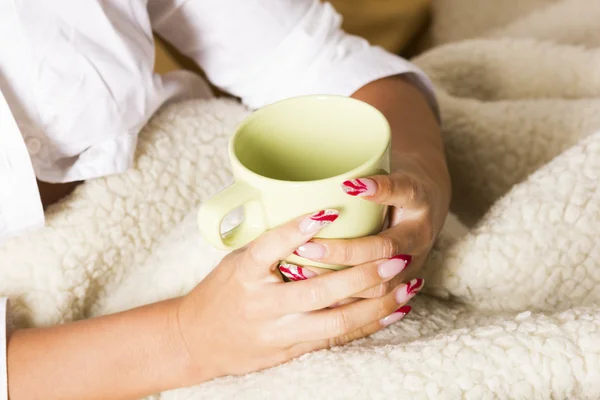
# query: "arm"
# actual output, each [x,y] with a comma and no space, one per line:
[297,47]
[418,188]
[286,48]
[415,133]
[224,326]
[126,355]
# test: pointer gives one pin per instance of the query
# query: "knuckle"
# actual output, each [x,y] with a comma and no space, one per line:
[388,246]
[414,190]
[377,291]
[339,341]
[254,253]
[347,255]
[366,278]
[347,338]
[339,324]
[386,185]
[385,308]
[341,252]
[314,296]
[381,290]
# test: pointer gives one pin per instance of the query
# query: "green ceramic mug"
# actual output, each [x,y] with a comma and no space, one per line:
[290,158]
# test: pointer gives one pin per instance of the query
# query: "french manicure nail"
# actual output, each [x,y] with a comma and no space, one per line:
[409,290]
[313,251]
[295,273]
[318,221]
[404,257]
[359,187]
[393,266]
[396,316]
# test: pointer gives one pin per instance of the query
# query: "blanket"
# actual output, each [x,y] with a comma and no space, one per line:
[511,305]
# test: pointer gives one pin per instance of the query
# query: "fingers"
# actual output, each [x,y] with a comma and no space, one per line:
[412,236]
[413,224]
[298,273]
[327,289]
[260,255]
[359,333]
[398,189]
[341,321]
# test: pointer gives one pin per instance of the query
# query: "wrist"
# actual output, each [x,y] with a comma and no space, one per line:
[187,370]
[130,354]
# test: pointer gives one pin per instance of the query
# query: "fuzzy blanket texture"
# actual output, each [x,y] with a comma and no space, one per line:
[511,306]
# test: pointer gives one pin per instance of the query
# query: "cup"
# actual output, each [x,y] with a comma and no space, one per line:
[290,158]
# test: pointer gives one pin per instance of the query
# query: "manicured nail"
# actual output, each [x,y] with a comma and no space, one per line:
[393,266]
[409,290]
[396,316]
[318,221]
[295,273]
[360,187]
[313,251]
[405,257]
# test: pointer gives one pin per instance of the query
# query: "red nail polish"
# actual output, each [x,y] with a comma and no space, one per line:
[414,286]
[354,187]
[295,273]
[362,187]
[404,310]
[404,257]
[325,216]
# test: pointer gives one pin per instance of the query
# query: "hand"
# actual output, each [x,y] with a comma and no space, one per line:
[416,215]
[418,190]
[243,317]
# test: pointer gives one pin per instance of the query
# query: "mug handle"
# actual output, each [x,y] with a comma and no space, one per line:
[212,212]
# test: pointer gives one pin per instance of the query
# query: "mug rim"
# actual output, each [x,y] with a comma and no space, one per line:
[351,174]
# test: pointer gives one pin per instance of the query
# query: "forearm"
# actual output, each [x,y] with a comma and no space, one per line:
[120,356]
[416,133]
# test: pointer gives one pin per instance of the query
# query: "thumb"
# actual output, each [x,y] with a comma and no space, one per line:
[397,189]
[278,243]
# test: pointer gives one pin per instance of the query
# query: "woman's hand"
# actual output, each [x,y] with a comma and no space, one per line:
[243,317]
[417,212]
[239,319]
[417,191]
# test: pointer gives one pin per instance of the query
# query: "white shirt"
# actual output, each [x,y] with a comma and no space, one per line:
[77,82]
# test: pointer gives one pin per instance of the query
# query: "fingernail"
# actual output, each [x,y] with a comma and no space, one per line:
[405,257]
[393,266]
[359,187]
[295,273]
[409,290]
[318,221]
[313,251]
[396,316]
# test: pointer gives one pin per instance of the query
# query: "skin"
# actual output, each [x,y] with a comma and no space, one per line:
[418,188]
[227,324]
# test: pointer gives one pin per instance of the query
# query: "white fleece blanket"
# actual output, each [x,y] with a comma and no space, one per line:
[511,308]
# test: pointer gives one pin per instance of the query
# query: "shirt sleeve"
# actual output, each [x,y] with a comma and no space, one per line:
[5,327]
[20,204]
[263,51]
